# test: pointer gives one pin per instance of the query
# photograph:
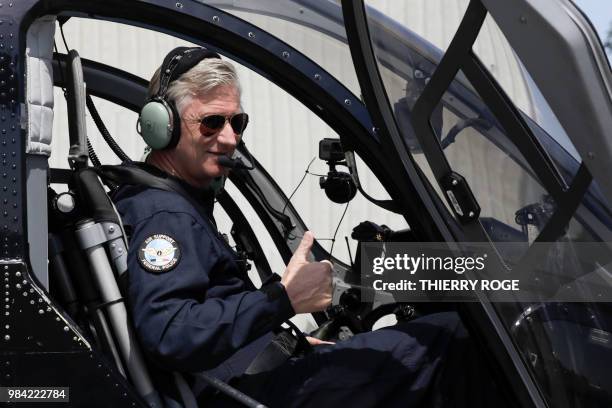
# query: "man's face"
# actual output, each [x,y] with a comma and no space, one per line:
[198,150]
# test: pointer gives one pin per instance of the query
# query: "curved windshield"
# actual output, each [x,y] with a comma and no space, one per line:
[497,55]
[314,27]
[514,206]
[406,63]
[566,346]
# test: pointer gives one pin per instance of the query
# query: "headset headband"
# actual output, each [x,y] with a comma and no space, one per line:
[177,62]
[159,120]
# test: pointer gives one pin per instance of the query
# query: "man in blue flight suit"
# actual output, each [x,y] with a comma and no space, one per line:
[195,309]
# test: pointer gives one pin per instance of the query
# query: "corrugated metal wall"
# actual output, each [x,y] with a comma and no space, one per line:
[283,135]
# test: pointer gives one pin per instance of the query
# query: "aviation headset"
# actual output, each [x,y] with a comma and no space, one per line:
[159,122]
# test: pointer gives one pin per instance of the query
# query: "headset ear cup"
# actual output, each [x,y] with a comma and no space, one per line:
[176,126]
[156,120]
[159,122]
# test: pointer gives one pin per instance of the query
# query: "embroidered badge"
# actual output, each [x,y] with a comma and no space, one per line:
[159,253]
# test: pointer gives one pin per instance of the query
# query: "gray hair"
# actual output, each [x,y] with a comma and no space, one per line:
[208,74]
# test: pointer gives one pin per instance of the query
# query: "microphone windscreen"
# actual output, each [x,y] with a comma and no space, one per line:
[233,163]
[226,162]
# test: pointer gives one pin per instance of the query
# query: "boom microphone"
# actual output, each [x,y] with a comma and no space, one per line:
[233,163]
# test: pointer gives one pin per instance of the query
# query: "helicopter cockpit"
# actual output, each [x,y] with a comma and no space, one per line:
[367,125]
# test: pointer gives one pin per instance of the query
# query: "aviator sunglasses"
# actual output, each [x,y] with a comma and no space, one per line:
[213,123]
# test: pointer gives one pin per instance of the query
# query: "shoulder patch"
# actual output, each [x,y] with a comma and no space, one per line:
[159,253]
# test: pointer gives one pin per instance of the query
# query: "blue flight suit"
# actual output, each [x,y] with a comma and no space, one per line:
[196,310]
[203,313]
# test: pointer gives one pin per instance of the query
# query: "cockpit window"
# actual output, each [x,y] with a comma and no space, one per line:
[118,120]
[500,60]
[284,138]
[117,44]
[408,38]
[315,28]
[462,122]
[514,206]
[407,51]
[434,21]
[564,345]
[112,44]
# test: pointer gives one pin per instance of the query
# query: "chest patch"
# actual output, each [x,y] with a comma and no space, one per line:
[159,253]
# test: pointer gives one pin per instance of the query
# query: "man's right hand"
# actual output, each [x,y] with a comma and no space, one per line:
[308,284]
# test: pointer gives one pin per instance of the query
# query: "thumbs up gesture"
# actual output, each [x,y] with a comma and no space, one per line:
[308,284]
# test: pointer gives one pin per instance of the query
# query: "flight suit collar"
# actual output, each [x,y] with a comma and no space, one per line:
[204,196]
